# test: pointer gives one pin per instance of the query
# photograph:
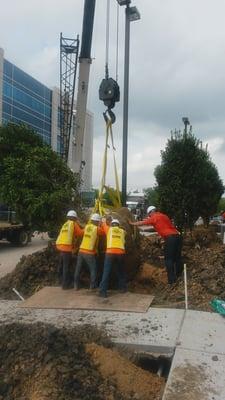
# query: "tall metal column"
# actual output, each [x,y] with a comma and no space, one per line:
[125,105]
[131,14]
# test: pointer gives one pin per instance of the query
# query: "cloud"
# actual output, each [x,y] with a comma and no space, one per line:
[44,65]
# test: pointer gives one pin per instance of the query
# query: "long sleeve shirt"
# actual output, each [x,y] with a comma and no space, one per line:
[161,223]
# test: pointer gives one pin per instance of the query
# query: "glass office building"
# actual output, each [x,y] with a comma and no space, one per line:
[24,99]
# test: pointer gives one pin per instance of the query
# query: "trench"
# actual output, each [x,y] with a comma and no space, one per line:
[159,365]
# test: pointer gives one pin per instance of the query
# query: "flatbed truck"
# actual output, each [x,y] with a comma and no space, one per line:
[13,231]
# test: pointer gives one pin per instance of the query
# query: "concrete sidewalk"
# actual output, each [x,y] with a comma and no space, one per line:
[198,368]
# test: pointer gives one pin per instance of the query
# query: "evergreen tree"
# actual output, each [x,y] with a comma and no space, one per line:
[188,182]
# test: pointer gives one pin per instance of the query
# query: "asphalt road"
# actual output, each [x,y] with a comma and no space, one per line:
[10,255]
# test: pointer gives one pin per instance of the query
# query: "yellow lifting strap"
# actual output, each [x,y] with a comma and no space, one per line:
[114,196]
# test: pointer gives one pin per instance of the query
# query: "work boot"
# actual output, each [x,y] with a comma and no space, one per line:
[102,294]
[92,287]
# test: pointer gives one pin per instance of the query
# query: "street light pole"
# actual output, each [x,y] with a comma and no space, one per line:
[186,123]
[131,14]
[125,105]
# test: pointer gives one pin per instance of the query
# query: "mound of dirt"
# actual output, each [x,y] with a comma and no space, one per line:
[41,362]
[130,379]
[204,255]
[31,274]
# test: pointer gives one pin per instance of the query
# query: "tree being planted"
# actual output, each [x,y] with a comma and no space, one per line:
[34,180]
[188,182]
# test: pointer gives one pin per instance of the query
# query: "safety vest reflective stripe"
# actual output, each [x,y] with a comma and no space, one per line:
[90,237]
[66,235]
[115,238]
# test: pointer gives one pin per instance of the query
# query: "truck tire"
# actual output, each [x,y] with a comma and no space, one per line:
[23,238]
[20,238]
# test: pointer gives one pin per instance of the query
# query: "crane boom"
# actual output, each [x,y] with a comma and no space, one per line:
[83,81]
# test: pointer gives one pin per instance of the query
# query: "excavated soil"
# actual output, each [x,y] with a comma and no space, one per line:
[204,255]
[41,362]
[129,378]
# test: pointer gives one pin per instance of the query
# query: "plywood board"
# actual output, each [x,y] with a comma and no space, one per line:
[55,297]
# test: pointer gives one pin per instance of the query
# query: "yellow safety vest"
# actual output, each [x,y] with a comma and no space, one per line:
[66,235]
[116,238]
[90,237]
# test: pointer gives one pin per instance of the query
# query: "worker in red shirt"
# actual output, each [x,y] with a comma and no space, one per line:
[173,241]
[65,243]
[222,213]
[114,257]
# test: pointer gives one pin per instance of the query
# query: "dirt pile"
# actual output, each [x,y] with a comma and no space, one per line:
[204,255]
[151,249]
[31,274]
[41,362]
[130,379]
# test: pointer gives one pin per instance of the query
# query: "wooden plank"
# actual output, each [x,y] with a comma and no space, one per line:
[55,297]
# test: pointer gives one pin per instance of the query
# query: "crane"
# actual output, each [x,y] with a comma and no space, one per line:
[83,81]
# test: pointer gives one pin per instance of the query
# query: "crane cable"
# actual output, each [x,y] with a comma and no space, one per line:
[107,40]
[117,40]
[114,196]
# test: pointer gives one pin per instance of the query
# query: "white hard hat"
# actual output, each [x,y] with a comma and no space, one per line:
[115,221]
[96,217]
[72,213]
[150,209]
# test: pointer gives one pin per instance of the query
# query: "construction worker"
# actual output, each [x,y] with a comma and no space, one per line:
[114,257]
[88,250]
[172,238]
[65,243]
[222,213]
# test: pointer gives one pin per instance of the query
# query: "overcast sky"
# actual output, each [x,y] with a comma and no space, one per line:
[177,68]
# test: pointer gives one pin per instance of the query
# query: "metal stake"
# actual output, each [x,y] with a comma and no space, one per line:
[185,287]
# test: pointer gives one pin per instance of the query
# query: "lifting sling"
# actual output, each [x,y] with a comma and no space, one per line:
[114,196]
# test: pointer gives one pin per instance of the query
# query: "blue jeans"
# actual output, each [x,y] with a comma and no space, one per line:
[116,261]
[90,261]
[66,264]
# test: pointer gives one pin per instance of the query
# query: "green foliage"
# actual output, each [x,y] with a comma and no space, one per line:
[221,205]
[152,196]
[188,182]
[34,180]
